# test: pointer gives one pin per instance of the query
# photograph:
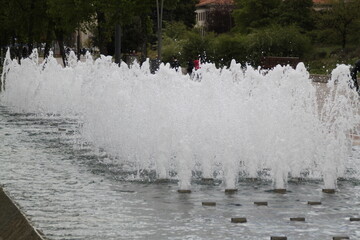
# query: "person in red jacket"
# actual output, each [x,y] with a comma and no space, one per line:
[196,64]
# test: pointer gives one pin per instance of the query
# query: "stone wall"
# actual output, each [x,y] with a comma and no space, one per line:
[320,78]
[13,223]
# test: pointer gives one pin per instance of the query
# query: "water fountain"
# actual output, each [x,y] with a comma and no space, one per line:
[236,123]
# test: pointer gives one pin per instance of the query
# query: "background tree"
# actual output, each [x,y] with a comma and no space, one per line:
[175,36]
[142,12]
[21,31]
[343,18]
[296,12]
[277,41]
[254,14]
[228,47]
[133,16]
[197,46]
[66,17]
[219,19]
[159,21]
[181,11]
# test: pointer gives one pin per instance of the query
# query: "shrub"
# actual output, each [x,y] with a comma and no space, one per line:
[277,41]
[171,47]
[175,30]
[197,45]
[228,47]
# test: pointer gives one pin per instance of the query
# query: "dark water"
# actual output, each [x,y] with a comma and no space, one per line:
[71,191]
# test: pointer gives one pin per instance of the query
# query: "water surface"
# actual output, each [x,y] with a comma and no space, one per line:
[70,190]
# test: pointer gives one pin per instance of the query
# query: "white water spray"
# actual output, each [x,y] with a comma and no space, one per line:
[235,121]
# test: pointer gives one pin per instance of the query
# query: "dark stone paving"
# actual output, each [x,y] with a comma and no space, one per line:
[13,223]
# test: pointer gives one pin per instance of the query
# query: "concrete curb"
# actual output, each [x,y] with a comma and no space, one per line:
[13,223]
[320,78]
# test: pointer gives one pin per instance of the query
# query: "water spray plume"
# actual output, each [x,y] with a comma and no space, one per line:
[235,122]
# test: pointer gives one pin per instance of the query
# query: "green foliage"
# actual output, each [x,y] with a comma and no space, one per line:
[262,28]
[119,11]
[278,41]
[132,35]
[67,15]
[175,30]
[21,19]
[180,11]
[172,47]
[324,58]
[221,49]
[228,47]
[324,36]
[258,14]
[343,19]
[244,48]
[173,40]
[296,12]
[197,46]
[253,14]
[43,20]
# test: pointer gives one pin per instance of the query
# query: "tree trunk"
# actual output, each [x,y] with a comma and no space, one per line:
[78,44]
[159,8]
[60,39]
[145,39]
[101,40]
[31,27]
[117,44]
[19,52]
[48,39]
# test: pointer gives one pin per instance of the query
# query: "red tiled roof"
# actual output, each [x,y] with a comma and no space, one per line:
[213,2]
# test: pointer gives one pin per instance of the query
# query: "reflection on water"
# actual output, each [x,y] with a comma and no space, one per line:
[71,191]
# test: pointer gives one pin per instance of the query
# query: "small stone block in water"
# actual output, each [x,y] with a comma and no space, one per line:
[280,190]
[261,203]
[353,219]
[340,237]
[231,190]
[184,191]
[207,179]
[209,203]
[297,179]
[253,179]
[328,190]
[356,137]
[238,220]
[298,219]
[278,238]
[162,180]
[314,203]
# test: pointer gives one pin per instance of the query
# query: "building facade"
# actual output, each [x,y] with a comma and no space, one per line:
[210,12]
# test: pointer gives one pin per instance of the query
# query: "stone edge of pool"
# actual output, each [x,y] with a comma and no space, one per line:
[13,223]
[318,78]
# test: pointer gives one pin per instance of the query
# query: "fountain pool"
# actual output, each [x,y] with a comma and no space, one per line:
[73,191]
[85,147]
